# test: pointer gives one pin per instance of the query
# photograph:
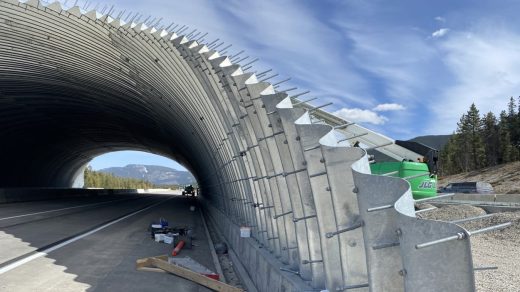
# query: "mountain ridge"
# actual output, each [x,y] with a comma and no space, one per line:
[156,174]
[435,141]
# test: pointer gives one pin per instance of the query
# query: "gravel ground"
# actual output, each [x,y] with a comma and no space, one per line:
[498,248]
[228,269]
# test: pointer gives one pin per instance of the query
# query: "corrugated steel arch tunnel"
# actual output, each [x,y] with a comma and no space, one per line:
[74,85]
[74,88]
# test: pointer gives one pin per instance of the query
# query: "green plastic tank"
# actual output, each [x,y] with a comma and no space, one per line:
[416,173]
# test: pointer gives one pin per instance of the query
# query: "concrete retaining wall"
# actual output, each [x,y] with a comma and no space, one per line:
[261,265]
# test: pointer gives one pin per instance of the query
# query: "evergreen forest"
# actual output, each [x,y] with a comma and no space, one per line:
[482,140]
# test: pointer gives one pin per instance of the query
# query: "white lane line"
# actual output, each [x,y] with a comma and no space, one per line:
[67,242]
[61,209]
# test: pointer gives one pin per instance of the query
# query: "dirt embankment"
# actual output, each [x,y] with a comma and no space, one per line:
[505,178]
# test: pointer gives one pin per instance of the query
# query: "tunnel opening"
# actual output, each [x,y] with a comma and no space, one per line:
[68,106]
[143,169]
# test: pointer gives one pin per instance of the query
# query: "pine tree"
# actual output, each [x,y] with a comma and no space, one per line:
[490,139]
[480,142]
[513,122]
[96,179]
[447,157]
[461,141]
[474,124]
[504,136]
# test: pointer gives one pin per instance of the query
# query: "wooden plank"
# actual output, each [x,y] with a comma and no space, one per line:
[148,269]
[141,264]
[192,276]
[162,257]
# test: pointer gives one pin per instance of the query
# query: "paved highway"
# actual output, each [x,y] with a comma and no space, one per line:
[91,244]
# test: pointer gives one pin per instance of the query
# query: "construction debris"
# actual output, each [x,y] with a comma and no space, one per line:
[192,265]
[180,268]
[178,248]
[161,232]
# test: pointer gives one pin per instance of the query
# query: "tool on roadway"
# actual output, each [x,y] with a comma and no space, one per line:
[178,248]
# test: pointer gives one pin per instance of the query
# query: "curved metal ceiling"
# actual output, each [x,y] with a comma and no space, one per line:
[75,87]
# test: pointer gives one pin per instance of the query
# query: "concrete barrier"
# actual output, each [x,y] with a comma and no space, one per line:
[262,266]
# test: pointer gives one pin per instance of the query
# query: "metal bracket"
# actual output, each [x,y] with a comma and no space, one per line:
[306,262]
[270,136]
[385,245]
[318,174]
[290,271]
[283,214]
[266,207]
[294,171]
[353,227]
[303,218]
[312,148]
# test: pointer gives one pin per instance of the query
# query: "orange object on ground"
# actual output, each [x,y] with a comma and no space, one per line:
[178,248]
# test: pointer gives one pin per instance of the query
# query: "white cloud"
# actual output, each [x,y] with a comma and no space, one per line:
[440,19]
[440,33]
[361,116]
[309,50]
[485,69]
[384,107]
[398,57]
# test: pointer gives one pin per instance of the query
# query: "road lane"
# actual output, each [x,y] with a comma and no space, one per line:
[21,208]
[105,260]
[43,230]
[61,209]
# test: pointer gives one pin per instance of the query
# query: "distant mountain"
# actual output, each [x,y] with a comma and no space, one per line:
[435,141]
[155,174]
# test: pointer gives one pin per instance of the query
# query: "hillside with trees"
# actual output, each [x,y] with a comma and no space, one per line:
[96,179]
[482,141]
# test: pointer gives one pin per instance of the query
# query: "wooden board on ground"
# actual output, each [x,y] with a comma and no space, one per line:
[161,263]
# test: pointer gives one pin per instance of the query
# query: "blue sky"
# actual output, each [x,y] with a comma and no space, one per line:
[122,158]
[403,68]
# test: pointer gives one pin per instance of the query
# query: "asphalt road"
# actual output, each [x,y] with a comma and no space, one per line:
[91,244]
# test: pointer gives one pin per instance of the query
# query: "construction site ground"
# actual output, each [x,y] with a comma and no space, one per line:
[499,248]
[505,178]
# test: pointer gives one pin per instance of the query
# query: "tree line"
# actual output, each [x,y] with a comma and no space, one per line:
[482,141]
[97,179]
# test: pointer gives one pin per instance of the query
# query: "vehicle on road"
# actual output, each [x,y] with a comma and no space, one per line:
[189,190]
